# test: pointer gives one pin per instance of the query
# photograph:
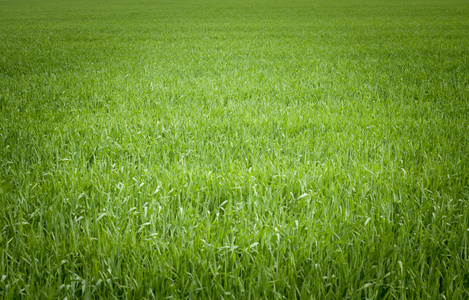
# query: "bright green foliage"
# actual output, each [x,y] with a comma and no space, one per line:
[245,149]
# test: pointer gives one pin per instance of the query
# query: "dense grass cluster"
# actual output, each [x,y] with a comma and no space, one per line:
[234,149]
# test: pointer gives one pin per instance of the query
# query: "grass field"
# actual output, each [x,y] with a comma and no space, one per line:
[234,149]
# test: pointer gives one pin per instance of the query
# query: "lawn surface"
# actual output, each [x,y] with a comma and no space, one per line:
[234,149]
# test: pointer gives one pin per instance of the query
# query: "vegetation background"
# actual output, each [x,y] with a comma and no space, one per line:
[234,149]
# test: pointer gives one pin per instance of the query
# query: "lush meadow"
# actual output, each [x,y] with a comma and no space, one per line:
[234,149]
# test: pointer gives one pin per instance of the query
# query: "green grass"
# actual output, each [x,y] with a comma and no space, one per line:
[234,149]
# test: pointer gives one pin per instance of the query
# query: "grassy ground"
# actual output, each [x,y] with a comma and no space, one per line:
[235,149]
